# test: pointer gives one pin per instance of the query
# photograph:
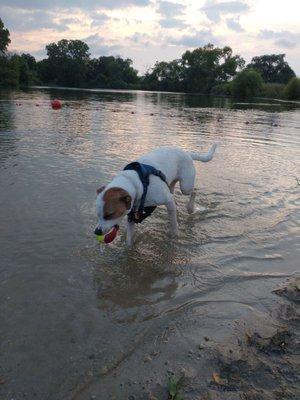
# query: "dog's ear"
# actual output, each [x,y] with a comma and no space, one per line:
[127,200]
[100,189]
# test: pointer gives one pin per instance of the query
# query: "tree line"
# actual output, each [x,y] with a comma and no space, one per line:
[206,70]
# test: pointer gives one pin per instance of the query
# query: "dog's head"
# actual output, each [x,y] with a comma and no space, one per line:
[112,205]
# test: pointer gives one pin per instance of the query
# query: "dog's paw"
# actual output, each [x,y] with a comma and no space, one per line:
[173,234]
[129,244]
[190,209]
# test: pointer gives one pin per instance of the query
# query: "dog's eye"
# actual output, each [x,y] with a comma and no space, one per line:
[108,216]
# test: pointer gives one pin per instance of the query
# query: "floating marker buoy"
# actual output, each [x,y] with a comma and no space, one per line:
[55,104]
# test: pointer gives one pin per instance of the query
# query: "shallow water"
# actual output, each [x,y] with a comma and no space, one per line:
[67,301]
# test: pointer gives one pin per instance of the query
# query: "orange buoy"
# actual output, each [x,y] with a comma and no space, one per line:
[56,104]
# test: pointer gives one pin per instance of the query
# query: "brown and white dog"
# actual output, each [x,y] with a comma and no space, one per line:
[124,192]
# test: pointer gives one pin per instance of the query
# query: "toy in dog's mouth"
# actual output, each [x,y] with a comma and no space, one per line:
[108,237]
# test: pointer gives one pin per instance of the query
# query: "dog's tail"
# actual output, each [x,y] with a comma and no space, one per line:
[204,157]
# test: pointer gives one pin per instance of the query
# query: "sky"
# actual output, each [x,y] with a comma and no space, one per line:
[156,30]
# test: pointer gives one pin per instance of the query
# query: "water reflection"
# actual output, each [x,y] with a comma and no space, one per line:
[137,284]
[8,139]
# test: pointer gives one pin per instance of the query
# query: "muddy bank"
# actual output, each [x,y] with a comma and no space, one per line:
[255,357]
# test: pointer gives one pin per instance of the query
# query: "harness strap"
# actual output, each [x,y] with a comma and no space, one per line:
[143,171]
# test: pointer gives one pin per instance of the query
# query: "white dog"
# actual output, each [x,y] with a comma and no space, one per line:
[146,183]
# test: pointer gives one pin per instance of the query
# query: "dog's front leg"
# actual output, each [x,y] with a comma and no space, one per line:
[171,207]
[130,233]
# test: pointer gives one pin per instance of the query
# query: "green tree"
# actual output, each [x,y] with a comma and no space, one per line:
[292,89]
[10,70]
[44,72]
[4,37]
[247,83]
[207,66]
[67,62]
[165,76]
[111,72]
[28,69]
[273,68]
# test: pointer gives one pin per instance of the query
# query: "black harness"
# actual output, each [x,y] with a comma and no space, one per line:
[143,171]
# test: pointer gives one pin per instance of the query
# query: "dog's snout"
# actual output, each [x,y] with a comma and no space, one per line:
[98,231]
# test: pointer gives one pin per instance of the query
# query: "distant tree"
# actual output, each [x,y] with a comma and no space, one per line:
[207,66]
[29,60]
[247,83]
[165,76]
[292,89]
[10,70]
[111,72]
[28,69]
[14,69]
[44,72]
[67,62]
[196,71]
[273,90]
[273,68]
[71,49]
[4,37]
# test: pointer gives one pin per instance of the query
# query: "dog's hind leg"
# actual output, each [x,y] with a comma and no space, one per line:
[171,207]
[191,204]
[187,183]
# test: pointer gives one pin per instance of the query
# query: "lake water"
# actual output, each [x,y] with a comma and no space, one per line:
[77,317]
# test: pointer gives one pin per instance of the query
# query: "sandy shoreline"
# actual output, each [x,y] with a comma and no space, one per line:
[257,359]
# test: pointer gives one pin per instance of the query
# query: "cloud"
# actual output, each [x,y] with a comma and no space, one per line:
[172,23]
[140,38]
[284,39]
[26,20]
[168,9]
[234,25]
[70,20]
[197,39]
[214,10]
[98,20]
[286,44]
[99,47]
[67,4]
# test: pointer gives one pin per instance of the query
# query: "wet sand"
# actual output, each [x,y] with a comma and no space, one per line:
[254,357]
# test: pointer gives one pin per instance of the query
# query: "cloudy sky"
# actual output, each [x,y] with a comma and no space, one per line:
[150,30]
